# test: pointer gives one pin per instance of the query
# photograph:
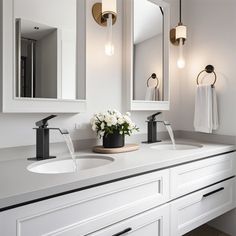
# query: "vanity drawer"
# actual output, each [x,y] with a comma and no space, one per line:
[191,211]
[190,177]
[151,223]
[93,209]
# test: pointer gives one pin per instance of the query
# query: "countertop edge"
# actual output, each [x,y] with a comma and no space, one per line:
[62,189]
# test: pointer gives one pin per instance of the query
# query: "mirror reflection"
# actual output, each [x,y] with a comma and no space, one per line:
[45,36]
[148,51]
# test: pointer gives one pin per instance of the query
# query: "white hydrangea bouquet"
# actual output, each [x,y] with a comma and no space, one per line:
[112,126]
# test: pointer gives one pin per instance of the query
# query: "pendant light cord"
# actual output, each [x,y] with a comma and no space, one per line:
[180,11]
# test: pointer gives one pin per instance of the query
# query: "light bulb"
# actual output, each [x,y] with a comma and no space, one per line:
[181,61]
[109,47]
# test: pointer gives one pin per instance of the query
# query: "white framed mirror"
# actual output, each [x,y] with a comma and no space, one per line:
[146,39]
[44,52]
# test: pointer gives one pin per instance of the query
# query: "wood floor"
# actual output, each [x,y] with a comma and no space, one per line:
[206,231]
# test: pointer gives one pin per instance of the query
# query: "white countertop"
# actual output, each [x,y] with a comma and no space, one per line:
[18,185]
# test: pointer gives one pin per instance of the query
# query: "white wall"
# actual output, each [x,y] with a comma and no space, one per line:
[104,90]
[211,40]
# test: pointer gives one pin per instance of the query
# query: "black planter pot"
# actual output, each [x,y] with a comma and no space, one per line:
[115,140]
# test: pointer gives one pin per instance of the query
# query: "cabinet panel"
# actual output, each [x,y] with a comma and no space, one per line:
[196,175]
[151,223]
[189,212]
[100,206]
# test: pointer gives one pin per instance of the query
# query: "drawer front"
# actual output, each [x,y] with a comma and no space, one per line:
[191,211]
[101,206]
[190,177]
[151,223]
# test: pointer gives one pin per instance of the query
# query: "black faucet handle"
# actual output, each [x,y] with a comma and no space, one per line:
[152,117]
[44,122]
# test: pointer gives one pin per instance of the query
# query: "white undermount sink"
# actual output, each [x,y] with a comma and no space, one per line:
[60,166]
[177,147]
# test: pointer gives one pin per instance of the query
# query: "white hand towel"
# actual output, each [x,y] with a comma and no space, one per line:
[206,112]
[215,114]
[150,94]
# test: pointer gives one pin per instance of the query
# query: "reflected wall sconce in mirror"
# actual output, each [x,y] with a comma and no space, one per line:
[105,14]
[178,36]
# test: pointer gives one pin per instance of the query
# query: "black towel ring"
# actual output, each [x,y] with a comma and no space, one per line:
[153,76]
[209,69]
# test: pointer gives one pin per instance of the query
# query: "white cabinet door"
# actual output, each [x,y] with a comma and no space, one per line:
[190,177]
[194,210]
[151,223]
[100,206]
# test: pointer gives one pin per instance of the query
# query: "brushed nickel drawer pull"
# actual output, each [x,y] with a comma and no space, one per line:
[123,232]
[213,192]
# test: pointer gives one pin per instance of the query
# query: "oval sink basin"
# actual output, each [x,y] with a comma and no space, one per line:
[177,147]
[61,166]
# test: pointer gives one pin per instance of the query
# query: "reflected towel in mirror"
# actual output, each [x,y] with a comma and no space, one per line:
[152,94]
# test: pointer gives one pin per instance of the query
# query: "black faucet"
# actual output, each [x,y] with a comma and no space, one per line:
[42,139]
[152,127]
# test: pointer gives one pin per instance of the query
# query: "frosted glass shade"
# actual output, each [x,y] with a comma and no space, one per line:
[181,32]
[109,47]
[181,61]
[109,6]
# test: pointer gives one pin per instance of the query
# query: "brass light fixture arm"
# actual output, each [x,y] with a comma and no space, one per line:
[100,18]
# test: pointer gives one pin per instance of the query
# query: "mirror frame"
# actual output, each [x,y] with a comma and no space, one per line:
[9,103]
[142,105]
